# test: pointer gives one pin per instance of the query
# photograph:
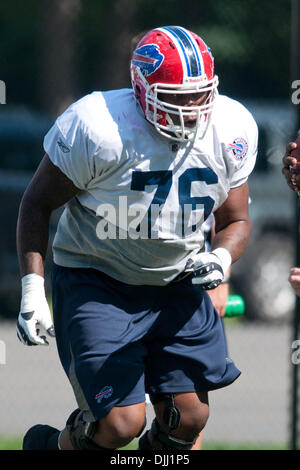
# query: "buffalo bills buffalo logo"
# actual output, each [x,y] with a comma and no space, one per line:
[148,58]
[106,392]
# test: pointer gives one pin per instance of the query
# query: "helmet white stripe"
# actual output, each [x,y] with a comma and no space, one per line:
[186,38]
[189,49]
[196,50]
[180,49]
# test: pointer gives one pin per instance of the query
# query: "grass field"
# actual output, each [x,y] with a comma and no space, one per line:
[15,443]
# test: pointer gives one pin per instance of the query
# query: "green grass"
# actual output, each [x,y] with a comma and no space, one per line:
[10,443]
[230,446]
[15,443]
[243,446]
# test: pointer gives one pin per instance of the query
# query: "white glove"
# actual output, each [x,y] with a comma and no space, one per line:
[209,268]
[34,311]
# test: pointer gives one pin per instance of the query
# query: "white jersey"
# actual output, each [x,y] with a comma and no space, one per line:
[143,198]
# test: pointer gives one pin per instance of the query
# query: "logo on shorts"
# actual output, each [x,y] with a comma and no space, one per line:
[239,148]
[106,392]
[63,147]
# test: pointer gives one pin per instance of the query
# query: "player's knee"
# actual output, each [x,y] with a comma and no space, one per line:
[194,415]
[192,411]
[119,427]
[192,422]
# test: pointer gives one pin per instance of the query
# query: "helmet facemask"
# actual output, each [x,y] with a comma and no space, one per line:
[172,120]
[180,122]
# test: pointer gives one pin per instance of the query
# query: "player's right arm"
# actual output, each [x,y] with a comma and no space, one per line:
[49,189]
[294,279]
[291,168]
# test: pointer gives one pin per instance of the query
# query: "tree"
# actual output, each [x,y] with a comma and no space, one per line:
[60,41]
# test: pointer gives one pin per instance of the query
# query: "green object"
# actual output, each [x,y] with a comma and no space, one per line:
[235,306]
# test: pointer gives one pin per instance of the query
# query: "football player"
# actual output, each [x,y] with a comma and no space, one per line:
[139,171]
[291,171]
[218,295]
[291,167]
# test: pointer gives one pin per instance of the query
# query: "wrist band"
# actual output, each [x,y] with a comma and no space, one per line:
[32,283]
[224,256]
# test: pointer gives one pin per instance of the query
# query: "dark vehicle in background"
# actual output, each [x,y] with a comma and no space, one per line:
[260,276]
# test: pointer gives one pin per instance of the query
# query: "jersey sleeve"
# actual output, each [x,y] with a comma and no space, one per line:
[68,147]
[243,151]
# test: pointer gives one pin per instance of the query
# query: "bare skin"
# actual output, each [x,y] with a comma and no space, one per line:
[220,294]
[291,171]
[50,189]
[291,168]
[294,279]
[219,297]
[233,225]
[185,100]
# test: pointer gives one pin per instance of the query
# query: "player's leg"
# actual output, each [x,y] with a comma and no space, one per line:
[179,420]
[113,431]
[194,411]
[117,429]
[187,356]
[198,443]
[199,440]
[101,353]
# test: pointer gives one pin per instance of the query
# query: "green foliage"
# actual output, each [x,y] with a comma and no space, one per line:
[250,41]
[20,50]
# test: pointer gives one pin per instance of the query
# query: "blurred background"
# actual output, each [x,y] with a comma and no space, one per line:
[52,52]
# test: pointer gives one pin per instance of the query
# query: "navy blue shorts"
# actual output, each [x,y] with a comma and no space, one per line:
[117,341]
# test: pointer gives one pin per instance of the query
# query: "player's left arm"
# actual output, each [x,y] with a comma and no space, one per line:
[220,294]
[232,232]
[232,223]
